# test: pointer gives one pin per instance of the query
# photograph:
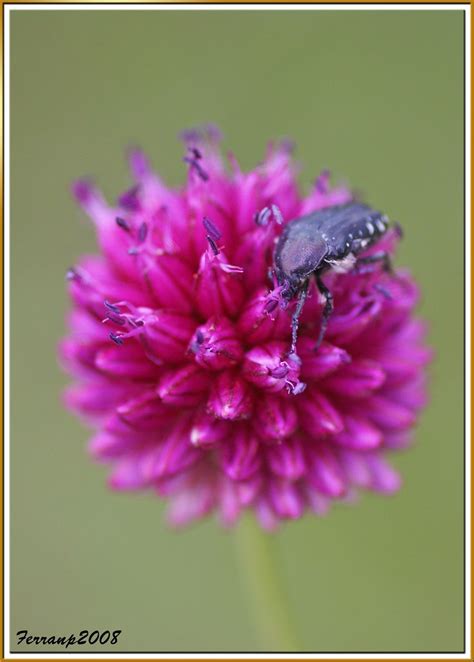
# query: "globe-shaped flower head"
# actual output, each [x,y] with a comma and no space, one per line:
[180,338]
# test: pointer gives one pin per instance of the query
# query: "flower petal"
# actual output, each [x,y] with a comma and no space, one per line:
[275,418]
[356,380]
[325,472]
[240,455]
[358,434]
[216,345]
[318,364]
[286,498]
[185,387]
[287,459]
[231,397]
[318,417]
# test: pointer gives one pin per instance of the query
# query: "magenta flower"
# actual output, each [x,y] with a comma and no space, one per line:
[181,345]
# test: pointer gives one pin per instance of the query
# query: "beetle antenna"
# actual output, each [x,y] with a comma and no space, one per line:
[296,316]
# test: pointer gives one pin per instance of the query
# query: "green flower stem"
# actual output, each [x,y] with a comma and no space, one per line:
[262,577]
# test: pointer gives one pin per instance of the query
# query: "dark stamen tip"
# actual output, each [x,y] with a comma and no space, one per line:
[195,152]
[116,338]
[201,172]
[112,307]
[122,223]
[263,216]
[212,230]
[142,232]
[194,163]
[277,215]
[213,245]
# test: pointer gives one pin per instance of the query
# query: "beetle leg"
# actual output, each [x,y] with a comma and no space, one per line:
[385,259]
[296,316]
[382,257]
[327,311]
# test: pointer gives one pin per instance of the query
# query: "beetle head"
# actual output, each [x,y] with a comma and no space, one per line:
[297,256]
[291,285]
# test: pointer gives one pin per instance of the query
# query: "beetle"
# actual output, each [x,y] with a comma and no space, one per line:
[329,238]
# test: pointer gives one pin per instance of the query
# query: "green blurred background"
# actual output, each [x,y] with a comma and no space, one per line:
[378,98]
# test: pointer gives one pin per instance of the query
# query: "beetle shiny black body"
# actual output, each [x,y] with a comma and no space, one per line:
[328,238]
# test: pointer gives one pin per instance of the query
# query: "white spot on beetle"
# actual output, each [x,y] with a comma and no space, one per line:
[380,225]
[370,227]
[344,265]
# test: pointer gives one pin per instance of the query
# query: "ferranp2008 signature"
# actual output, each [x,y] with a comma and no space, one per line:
[84,637]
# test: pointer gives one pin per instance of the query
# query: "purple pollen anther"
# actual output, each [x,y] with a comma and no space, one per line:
[296,389]
[271,305]
[213,245]
[193,161]
[112,307]
[197,341]
[268,213]
[263,216]
[142,232]
[122,223]
[211,229]
[116,338]
[280,372]
[277,215]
